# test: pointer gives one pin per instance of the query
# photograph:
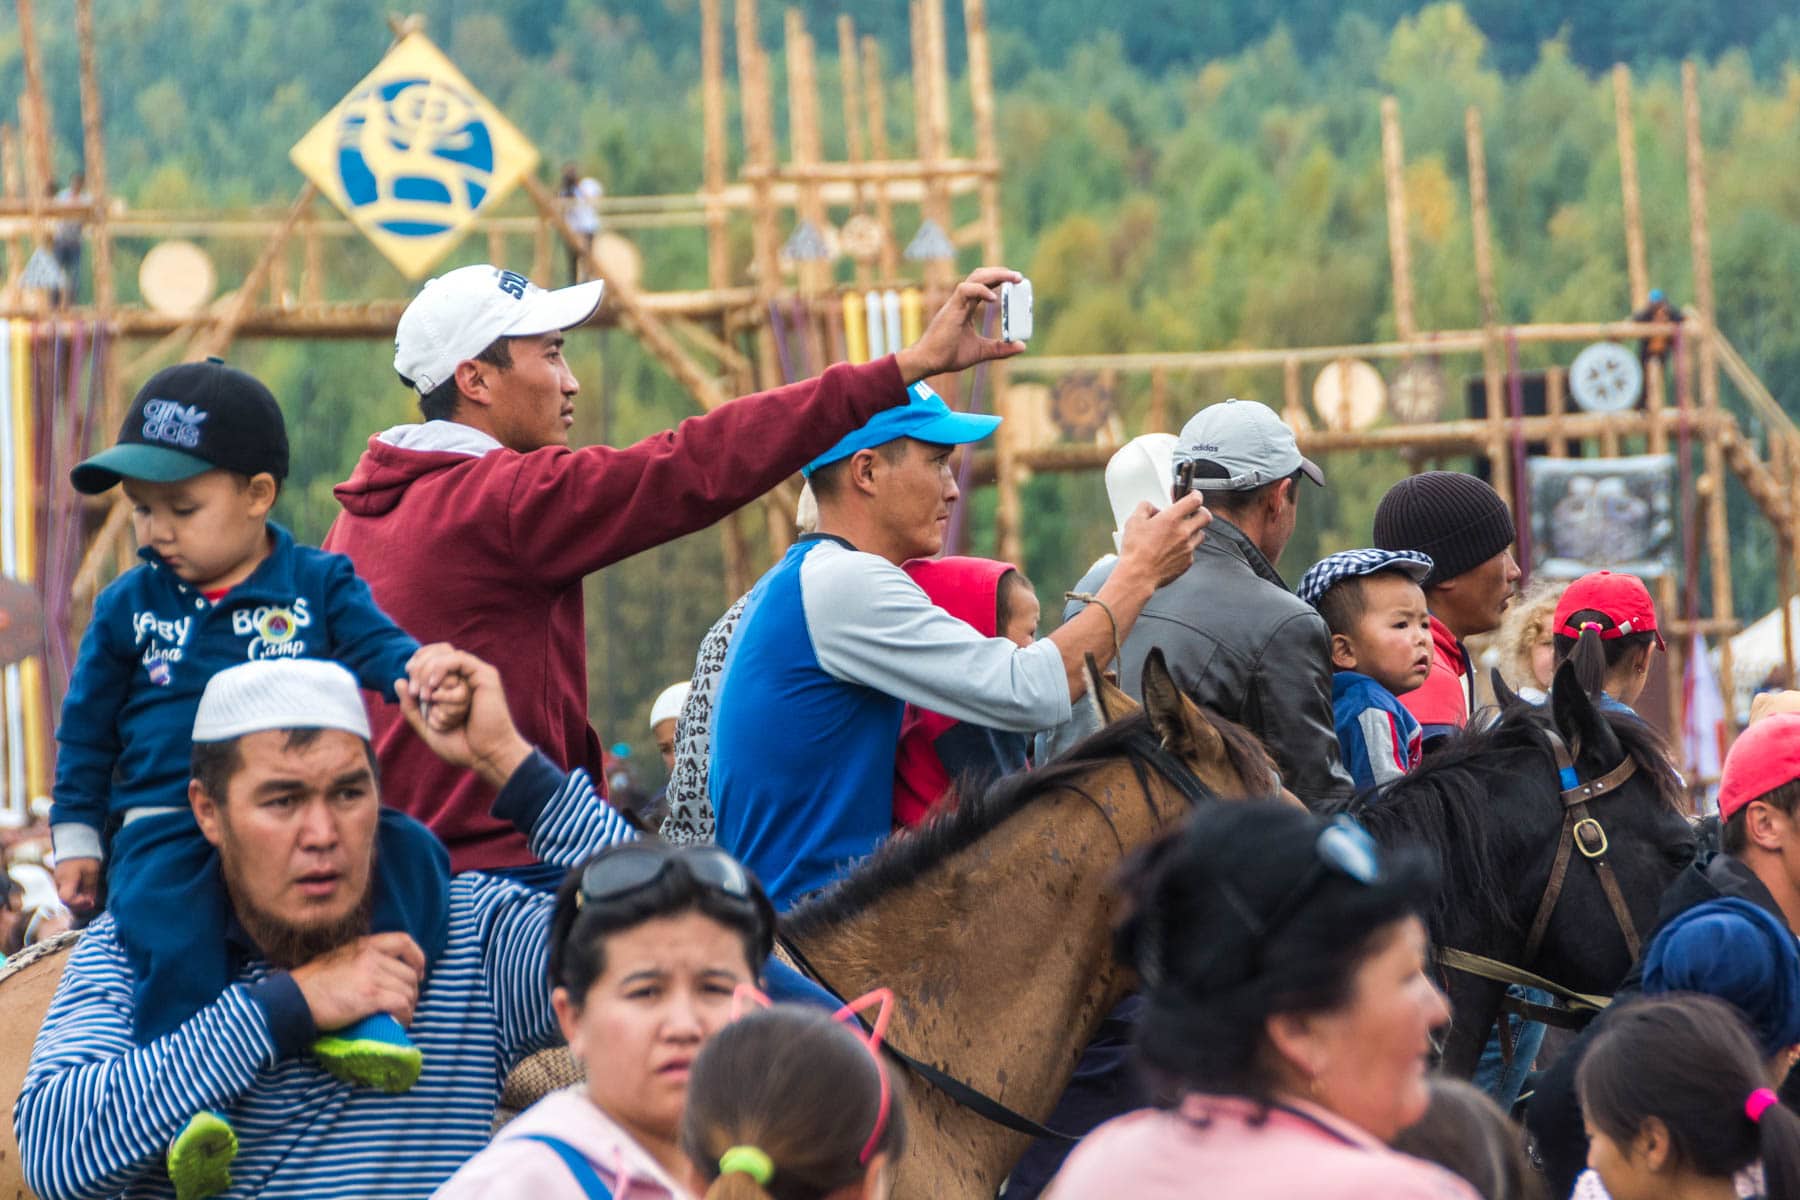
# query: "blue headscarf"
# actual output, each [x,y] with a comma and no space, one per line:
[1734,950]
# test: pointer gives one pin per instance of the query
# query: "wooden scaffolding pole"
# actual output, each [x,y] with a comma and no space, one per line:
[875,92]
[718,245]
[987,147]
[1393,174]
[1718,541]
[93,152]
[805,151]
[759,152]
[1493,353]
[850,87]
[712,105]
[34,120]
[1628,188]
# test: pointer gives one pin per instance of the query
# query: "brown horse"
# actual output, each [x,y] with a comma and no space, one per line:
[992,924]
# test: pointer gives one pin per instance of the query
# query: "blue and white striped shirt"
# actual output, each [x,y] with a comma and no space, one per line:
[97,1111]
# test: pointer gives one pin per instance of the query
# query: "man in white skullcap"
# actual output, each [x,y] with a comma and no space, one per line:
[284,787]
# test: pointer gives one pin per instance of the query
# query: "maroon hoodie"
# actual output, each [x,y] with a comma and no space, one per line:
[465,542]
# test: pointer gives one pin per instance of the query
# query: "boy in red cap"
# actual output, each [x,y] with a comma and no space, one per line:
[1606,624]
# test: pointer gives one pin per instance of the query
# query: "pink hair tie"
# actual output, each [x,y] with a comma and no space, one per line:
[1594,625]
[1759,1103]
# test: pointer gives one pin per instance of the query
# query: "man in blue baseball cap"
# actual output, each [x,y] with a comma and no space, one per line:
[836,640]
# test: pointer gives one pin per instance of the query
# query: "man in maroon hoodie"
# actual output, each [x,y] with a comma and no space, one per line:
[477,526]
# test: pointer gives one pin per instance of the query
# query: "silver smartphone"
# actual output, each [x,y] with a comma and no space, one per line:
[1015,312]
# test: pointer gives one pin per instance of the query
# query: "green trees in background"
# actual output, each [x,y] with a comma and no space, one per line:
[1191,177]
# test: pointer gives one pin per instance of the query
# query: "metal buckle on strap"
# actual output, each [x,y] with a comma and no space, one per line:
[1581,833]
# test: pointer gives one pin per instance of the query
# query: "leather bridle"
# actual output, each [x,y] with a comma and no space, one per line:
[1582,831]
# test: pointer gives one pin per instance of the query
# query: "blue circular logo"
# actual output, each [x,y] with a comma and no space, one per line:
[415,156]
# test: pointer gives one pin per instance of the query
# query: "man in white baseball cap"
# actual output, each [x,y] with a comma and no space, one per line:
[1234,635]
[482,520]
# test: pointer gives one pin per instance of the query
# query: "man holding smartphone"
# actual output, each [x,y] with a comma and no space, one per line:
[1235,637]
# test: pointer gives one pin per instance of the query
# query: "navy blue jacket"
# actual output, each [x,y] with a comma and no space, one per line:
[125,739]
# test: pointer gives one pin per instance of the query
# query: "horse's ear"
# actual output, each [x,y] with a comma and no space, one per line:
[1114,703]
[1096,687]
[1505,695]
[1184,730]
[1578,719]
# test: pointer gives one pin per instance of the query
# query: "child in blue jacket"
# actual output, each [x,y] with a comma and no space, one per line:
[201,455]
[1380,648]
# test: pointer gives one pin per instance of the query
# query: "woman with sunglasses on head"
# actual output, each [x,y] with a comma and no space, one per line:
[647,947]
[1288,1016]
[790,1104]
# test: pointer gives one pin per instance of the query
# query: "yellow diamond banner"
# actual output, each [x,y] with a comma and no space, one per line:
[413,154]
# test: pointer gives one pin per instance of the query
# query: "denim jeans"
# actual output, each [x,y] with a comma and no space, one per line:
[1492,1074]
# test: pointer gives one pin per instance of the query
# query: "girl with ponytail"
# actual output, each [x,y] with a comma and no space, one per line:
[1679,1106]
[1606,625]
[788,1104]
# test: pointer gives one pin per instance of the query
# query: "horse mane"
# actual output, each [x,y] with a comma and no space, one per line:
[1446,805]
[903,860]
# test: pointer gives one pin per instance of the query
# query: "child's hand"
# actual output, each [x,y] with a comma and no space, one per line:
[78,884]
[448,703]
[439,686]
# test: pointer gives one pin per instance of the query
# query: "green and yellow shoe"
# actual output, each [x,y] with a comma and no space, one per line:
[375,1052]
[199,1158]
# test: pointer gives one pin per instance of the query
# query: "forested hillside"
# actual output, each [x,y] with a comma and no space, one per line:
[1185,176]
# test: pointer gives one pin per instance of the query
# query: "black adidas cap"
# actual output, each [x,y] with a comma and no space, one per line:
[189,419]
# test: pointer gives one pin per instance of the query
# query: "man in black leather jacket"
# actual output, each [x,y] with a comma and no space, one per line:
[1236,639]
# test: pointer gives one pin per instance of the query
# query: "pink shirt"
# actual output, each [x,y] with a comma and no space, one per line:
[1214,1145]
[515,1166]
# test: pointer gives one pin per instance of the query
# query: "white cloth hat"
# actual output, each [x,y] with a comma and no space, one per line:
[1138,471]
[280,693]
[459,314]
[668,703]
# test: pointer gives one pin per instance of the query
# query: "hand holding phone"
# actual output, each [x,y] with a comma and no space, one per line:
[1015,311]
[1184,480]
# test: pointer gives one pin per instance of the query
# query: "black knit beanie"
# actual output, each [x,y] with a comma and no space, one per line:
[1457,519]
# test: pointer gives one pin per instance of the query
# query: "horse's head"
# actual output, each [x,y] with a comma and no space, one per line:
[1490,805]
[1646,836]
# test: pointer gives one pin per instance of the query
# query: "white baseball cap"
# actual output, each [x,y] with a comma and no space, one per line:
[280,693]
[459,314]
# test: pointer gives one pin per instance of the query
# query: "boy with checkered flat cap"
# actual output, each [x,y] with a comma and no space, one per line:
[1380,649]
[201,456]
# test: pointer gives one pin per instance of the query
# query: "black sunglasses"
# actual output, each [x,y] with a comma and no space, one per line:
[1343,846]
[639,865]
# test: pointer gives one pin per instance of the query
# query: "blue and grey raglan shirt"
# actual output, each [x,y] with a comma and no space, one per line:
[1379,740]
[97,1111]
[125,739]
[832,646]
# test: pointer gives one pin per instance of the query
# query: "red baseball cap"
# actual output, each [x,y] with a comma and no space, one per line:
[1765,756]
[1624,598]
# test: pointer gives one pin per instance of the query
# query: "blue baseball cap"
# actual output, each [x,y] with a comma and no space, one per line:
[924,418]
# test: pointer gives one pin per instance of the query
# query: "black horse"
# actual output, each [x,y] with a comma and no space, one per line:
[1490,805]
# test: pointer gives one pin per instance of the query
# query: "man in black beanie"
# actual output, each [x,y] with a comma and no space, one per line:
[1468,531]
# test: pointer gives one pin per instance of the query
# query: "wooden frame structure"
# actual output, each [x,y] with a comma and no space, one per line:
[1768,480]
[716,342]
[722,340]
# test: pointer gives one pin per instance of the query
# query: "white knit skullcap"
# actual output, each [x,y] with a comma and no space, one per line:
[1139,470]
[668,703]
[280,693]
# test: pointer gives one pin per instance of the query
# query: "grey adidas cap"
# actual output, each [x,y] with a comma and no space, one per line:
[1248,441]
